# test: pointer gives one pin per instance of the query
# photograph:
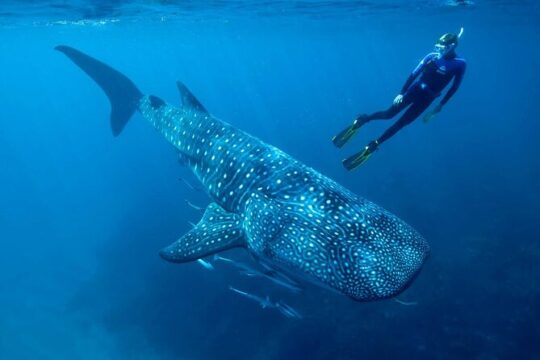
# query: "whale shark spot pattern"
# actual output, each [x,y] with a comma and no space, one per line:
[292,216]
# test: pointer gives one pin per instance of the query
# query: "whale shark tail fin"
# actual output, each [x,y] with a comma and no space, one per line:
[121,91]
[188,99]
[217,231]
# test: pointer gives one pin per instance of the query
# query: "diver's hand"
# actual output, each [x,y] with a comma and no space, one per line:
[437,109]
[398,99]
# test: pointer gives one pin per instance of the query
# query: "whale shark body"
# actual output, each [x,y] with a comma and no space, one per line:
[287,215]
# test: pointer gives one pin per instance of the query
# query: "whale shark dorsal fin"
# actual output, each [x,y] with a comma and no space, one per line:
[188,99]
[217,231]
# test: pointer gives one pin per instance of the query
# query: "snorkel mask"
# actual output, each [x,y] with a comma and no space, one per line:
[447,43]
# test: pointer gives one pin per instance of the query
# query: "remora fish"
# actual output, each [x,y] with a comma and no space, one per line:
[275,277]
[266,303]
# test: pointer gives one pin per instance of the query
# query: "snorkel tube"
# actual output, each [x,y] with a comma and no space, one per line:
[461,30]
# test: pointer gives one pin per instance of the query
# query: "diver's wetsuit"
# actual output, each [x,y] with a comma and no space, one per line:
[435,73]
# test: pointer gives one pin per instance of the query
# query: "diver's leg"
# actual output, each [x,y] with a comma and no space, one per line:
[408,117]
[392,111]
[389,113]
[346,134]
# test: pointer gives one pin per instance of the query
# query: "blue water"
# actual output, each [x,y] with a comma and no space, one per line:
[83,215]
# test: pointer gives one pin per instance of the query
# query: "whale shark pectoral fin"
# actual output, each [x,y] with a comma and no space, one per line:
[188,99]
[217,231]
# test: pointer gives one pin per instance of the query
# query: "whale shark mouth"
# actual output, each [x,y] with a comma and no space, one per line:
[384,277]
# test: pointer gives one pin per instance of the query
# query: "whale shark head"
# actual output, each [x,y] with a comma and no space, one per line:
[349,245]
[387,258]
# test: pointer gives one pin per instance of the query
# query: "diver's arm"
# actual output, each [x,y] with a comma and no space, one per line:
[408,83]
[399,98]
[455,86]
[417,70]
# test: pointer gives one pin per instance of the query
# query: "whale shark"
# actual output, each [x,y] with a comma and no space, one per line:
[287,215]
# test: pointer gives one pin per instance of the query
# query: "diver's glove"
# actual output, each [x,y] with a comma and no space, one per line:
[430,114]
[398,99]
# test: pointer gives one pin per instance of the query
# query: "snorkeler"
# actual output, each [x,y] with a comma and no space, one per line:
[422,87]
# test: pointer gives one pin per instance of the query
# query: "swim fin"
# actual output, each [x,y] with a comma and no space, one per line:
[344,136]
[361,157]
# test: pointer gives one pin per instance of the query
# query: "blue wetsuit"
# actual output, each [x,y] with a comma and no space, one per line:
[423,86]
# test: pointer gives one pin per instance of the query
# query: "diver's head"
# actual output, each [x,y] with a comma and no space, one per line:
[446,45]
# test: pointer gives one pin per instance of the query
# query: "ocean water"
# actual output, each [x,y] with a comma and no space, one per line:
[83,214]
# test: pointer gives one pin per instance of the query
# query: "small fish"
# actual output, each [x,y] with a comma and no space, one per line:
[239,265]
[221,258]
[264,302]
[205,264]
[189,185]
[272,275]
[198,208]
[283,281]
[406,303]
[288,311]
[249,273]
